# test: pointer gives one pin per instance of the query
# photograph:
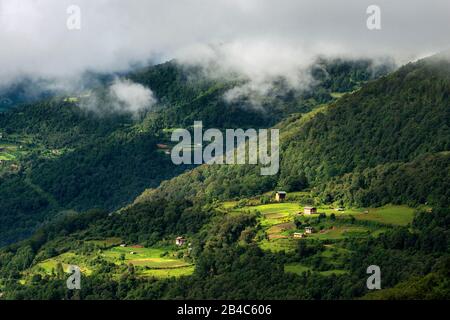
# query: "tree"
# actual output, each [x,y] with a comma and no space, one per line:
[59,270]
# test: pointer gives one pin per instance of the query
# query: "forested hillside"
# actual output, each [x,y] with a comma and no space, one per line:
[392,136]
[73,153]
[374,162]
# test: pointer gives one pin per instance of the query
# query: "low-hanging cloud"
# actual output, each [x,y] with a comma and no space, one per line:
[122,96]
[128,96]
[259,62]
[261,39]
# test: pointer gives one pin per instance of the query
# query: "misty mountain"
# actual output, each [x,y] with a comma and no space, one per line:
[386,142]
[397,121]
[76,151]
[26,90]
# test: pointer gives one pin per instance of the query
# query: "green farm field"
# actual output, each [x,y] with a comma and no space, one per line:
[66,259]
[277,221]
[390,214]
[340,232]
[168,273]
[148,262]
[276,208]
[154,262]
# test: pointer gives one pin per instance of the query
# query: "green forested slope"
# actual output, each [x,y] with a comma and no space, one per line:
[399,119]
[387,142]
[73,158]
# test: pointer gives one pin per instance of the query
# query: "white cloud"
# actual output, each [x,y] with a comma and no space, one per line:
[130,97]
[122,96]
[260,38]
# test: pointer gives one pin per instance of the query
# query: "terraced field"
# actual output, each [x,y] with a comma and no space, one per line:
[168,273]
[277,221]
[8,152]
[154,262]
[285,208]
[48,267]
[340,232]
[148,262]
[275,213]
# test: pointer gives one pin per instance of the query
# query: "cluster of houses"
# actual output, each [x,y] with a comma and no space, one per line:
[299,235]
[280,196]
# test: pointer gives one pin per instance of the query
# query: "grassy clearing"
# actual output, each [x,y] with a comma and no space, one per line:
[8,152]
[293,208]
[274,213]
[280,229]
[296,268]
[299,269]
[273,219]
[71,99]
[7,156]
[108,242]
[155,262]
[340,232]
[48,266]
[336,272]
[328,210]
[114,254]
[168,273]
[278,245]
[158,263]
[389,214]
[229,204]
[337,95]
[280,208]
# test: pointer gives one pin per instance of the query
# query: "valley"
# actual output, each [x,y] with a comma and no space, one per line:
[362,174]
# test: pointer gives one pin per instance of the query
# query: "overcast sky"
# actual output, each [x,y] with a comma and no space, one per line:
[258,36]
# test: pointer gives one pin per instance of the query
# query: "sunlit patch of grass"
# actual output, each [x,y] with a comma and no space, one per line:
[66,259]
[7,156]
[278,245]
[113,241]
[229,204]
[339,232]
[336,272]
[389,214]
[150,261]
[168,273]
[283,208]
[296,268]
[299,269]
